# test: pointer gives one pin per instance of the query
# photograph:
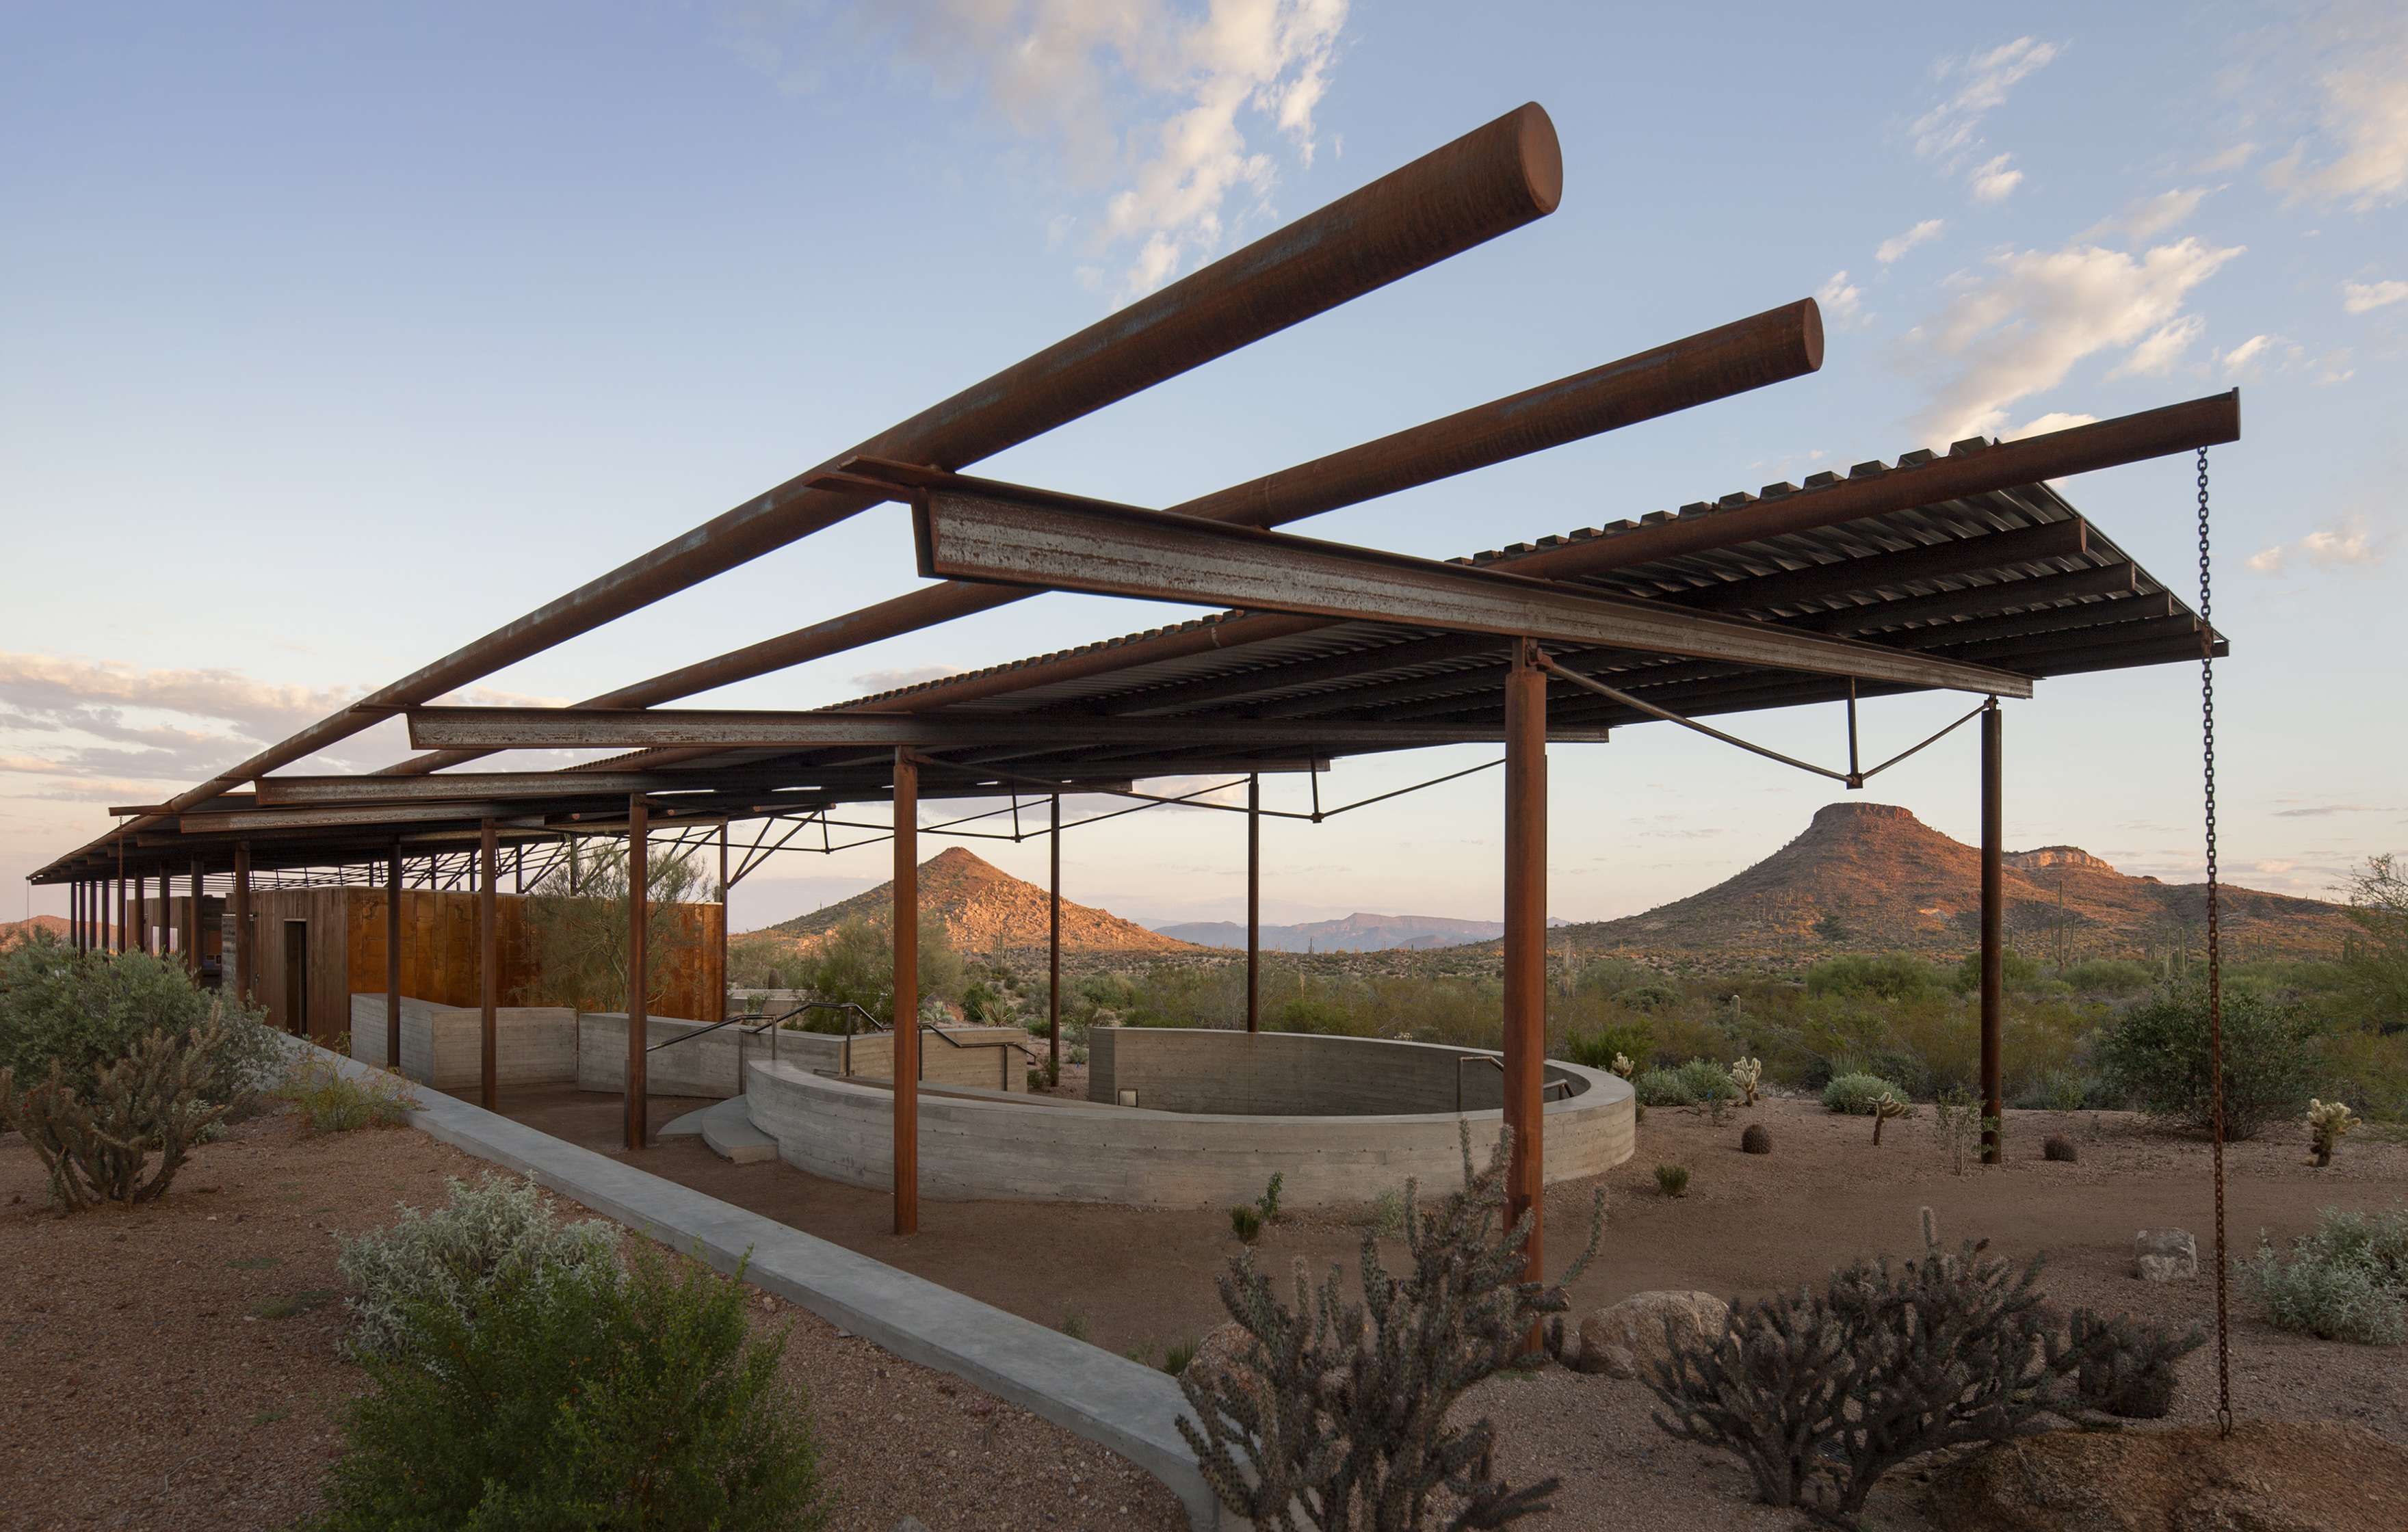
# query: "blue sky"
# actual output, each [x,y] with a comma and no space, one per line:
[334,335]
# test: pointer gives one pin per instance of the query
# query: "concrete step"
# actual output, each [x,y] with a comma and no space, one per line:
[725,1127]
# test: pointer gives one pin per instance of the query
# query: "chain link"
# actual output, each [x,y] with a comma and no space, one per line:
[2214,956]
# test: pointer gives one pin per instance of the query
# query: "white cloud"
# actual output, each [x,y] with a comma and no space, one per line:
[2238,360]
[2357,154]
[2022,327]
[1161,104]
[2231,159]
[1993,180]
[1843,301]
[2151,216]
[873,681]
[1949,132]
[2365,298]
[2155,356]
[2055,419]
[1922,233]
[2345,544]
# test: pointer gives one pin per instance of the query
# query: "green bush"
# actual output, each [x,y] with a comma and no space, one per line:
[85,1010]
[2156,1054]
[329,1100]
[2348,1281]
[492,1232]
[2108,976]
[1697,1083]
[639,1403]
[1596,1048]
[96,1140]
[1855,1094]
[1246,1223]
[2016,973]
[1673,1180]
[1893,976]
[1651,996]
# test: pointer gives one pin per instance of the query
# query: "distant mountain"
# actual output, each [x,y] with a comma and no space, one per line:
[12,932]
[984,908]
[1356,933]
[1871,876]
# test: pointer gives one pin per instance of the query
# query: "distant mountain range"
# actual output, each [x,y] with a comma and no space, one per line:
[15,931]
[1356,933]
[1873,877]
[984,908]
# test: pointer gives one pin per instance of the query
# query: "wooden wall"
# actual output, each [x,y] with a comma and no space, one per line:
[439,952]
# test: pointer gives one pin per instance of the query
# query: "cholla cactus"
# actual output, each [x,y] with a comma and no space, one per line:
[2327,1121]
[1623,1065]
[1885,1107]
[1747,1074]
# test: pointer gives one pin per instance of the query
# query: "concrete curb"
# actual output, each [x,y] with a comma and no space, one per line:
[1107,1400]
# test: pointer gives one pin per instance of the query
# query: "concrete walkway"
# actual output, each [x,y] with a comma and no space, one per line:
[1108,1399]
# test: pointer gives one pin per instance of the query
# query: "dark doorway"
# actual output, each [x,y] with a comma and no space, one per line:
[297,976]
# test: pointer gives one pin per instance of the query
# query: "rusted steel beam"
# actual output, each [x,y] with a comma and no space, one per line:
[1847,577]
[1254,902]
[517,728]
[393,957]
[2007,465]
[1973,600]
[489,976]
[1053,942]
[255,821]
[2088,616]
[980,534]
[1993,911]
[906,1025]
[192,936]
[637,1081]
[1524,948]
[2032,650]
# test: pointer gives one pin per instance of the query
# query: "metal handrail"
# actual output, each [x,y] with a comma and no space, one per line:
[1462,1059]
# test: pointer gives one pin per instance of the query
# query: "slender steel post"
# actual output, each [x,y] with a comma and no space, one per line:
[124,908]
[74,914]
[193,924]
[142,911]
[639,1084]
[245,949]
[1524,946]
[1053,951]
[907,994]
[1993,1000]
[393,878]
[1253,901]
[723,922]
[489,976]
[518,867]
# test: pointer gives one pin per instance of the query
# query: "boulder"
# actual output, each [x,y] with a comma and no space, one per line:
[2165,1255]
[1622,1339]
[1221,1353]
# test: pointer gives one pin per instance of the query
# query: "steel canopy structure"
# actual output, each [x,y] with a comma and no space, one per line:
[1965,570]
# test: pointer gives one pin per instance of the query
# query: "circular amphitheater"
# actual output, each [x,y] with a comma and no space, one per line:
[1183,1118]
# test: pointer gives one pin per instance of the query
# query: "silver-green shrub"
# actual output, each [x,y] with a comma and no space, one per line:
[448,1257]
[2348,1281]
[1699,1083]
[1855,1094]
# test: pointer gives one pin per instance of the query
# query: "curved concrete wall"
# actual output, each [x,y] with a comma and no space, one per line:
[976,1147]
[1293,1074]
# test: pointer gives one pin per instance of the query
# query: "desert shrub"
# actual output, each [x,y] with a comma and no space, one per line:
[495,1231]
[1318,1013]
[2108,976]
[1893,976]
[1341,1409]
[325,1100]
[1957,1127]
[1387,1218]
[1246,1223]
[578,942]
[2347,1281]
[855,965]
[2126,1367]
[1696,1083]
[2015,972]
[1757,1139]
[1176,1356]
[1673,1180]
[2060,1149]
[1649,996]
[85,1010]
[2370,1066]
[1821,1393]
[2374,965]
[618,1403]
[95,1136]
[1855,1094]
[1074,1325]
[1597,1048]
[2157,1054]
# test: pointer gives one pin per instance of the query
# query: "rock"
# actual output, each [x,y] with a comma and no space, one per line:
[1622,1339]
[2290,1476]
[2165,1255]
[1221,1351]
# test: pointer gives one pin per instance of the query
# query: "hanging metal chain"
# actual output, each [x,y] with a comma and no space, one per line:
[2215,958]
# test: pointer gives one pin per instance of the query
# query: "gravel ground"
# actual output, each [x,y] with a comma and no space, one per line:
[176,1368]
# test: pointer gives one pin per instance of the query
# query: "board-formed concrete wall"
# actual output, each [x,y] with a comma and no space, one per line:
[711,1065]
[1288,1074]
[1038,1150]
[443,1046]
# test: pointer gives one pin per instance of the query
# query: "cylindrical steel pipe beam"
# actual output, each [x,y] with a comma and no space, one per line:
[1525,945]
[393,957]
[246,945]
[906,1029]
[1253,901]
[638,1081]
[489,976]
[1993,910]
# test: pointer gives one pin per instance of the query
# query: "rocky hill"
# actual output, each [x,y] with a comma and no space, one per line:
[984,908]
[12,931]
[1872,877]
[1356,933]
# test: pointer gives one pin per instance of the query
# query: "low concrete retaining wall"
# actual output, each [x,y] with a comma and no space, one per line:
[443,1046]
[1291,1074]
[1122,1405]
[711,1065]
[974,1149]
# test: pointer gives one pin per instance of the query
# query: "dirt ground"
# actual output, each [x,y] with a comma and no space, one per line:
[176,1366]
[1139,1281]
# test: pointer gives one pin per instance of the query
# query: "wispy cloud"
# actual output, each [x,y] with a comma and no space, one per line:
[1993,179]
[1842,302]
[891,680]
[2238,361]
[2150,216]
[1949,134]
[1923,233]
[2365,298]
[2324,810]
[2356,152]
[2346,544]
[2020,328]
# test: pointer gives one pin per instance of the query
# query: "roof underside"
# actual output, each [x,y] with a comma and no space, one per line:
[2012,578]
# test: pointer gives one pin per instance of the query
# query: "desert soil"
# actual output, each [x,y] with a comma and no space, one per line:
[177,1366]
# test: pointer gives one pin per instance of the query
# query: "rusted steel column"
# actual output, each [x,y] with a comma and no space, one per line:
[723,923]
[393,959]
[1053,954]
[1253,901]
[193,926]
[1993,876]
[907,994]
[489,976]
[74,914]
[245,949]
[639,1083]
[1525,940]
[141,912]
